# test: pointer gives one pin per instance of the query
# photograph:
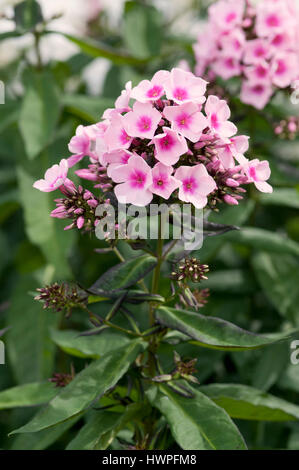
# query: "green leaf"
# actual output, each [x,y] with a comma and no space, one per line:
[94,346]
[103,426]
[39,112]
[89,108]
[142,30]
[124,275]
[41,228]
[27,14]
[132,296]
[9,113]
[290,378]
[271,366]
[27,395]
[30,351]
[231,280]
[279,278]
[87,387]
[197,423]
[260,239]
[288,197]
[243,402]
[99,49]
[233,215]
[213,332]
[43,439]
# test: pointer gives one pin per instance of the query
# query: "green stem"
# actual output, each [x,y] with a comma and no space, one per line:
[153,344]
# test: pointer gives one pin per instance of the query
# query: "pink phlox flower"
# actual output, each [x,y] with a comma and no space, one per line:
[163,183]
[183,87]
[227,14]
[120,156]
[258,173]
[79,145]
[169,146]
[256,50]
[232,44]
[232,149]
[115,137]
[226,66]
[187,120]
[142,121]
[123,100]
[135,178]
[285,68]
[256,93]
[218,113]
[259,72]
[54,177]
[196,185]
[272,18]
[149,91]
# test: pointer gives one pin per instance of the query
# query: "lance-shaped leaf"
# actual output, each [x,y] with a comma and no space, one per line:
[243,402]
[260,239]
[27,395]
[287,197]
[43,439]
[212,332]
[42,101]
[133,296]
[94,346]
[99,49]
[278,276]
[88,386]
[124,275]
[197,423]
[103,426]
[88,108]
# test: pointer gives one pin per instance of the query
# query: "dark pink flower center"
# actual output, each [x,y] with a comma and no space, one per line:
[190,185]
[258,89]
[124,138]
[281,67]
[278,40]
[144,123]
[167,142]
[180,94]
[230,63]
[214,121]
[137,179]
[259,51]
[160,181]
[183,120]
[155,91]
[252,173]
[261,71]
[124,158]
[273,21]
[231,17]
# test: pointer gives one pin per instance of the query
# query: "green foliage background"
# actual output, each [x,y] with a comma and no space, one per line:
[254,275]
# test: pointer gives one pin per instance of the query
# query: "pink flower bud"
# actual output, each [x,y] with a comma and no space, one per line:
[230,200]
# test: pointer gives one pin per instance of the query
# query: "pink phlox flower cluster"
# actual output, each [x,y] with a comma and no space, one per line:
[258,43]
[164,139]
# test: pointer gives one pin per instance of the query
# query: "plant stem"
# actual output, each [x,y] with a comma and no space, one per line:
[155,289]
